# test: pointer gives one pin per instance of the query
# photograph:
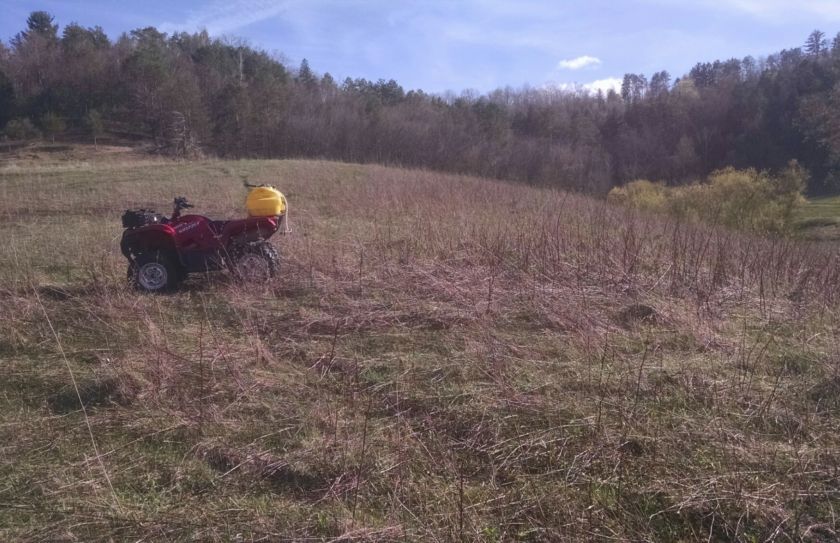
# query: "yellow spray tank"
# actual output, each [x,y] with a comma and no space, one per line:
[265,201]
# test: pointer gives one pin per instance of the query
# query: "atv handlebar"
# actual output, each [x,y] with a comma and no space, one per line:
[180,203]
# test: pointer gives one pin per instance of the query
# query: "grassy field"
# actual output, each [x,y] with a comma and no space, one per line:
[441,359]
[819,219]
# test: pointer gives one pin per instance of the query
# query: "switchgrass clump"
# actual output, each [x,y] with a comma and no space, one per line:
[442,358]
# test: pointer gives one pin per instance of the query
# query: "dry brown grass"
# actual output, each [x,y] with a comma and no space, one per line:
[443,358]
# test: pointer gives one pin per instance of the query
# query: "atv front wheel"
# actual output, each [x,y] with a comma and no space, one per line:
[153,272]
[257,263]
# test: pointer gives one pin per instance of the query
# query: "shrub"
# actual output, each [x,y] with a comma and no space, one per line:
[685,202]
[742,199]
[94,124]
[751,200]
[640,194]
[788,187]
[21,129]
[52,125]
[739,199]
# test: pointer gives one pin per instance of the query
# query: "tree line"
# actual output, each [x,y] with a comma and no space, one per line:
[190,93]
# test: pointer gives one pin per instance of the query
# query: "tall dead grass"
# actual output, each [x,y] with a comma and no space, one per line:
[442,358]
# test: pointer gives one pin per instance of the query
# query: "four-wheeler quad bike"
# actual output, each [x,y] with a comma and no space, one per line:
[161,251]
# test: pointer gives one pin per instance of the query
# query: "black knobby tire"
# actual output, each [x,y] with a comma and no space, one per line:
[154,272]
[258,255]
[273,256]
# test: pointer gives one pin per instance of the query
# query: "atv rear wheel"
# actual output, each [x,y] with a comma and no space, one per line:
[153,272]
[256,263]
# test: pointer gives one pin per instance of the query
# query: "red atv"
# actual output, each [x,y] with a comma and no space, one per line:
[161,251]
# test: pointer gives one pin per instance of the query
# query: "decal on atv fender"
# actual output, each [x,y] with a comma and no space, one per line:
[183,227]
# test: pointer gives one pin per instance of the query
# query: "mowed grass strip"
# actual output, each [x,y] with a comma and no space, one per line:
[819,219]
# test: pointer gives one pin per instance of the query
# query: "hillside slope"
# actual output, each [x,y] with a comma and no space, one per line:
[442,358]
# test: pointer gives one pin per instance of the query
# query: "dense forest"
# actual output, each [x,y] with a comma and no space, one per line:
[192,94]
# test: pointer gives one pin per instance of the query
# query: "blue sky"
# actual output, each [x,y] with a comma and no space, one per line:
[441,45]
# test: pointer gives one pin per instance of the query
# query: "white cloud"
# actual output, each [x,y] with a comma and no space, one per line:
[604,85]
[222,16]
[578,63]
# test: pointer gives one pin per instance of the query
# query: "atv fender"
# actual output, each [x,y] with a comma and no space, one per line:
[157,237]
[250,230]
